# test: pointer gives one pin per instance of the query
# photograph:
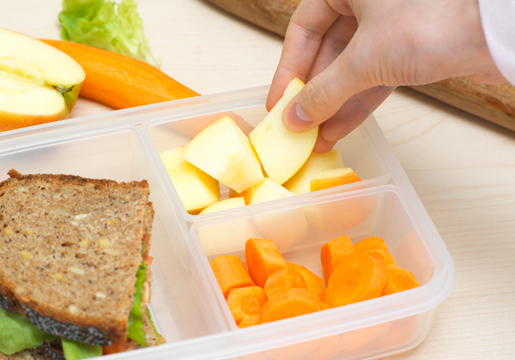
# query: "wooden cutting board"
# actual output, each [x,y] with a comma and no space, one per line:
[495,103]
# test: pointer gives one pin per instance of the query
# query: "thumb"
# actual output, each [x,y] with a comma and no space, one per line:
[324,95]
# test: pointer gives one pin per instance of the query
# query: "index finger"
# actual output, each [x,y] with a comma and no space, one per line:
[303,37]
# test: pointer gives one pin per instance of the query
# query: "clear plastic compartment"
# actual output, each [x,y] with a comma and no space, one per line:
[355,149]
[187,304]
[387,323]
[178,291]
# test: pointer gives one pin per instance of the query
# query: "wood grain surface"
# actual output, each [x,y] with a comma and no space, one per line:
[495,103]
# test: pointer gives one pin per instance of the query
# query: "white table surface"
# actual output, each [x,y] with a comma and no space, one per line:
[463,168]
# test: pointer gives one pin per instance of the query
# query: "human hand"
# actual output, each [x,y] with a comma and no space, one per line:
[353,53]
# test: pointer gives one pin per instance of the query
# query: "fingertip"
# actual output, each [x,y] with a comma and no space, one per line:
[322,146]
[271,100]
[295,119]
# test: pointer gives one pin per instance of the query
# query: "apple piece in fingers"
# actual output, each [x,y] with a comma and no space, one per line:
[281,151]
[226,204]
[286,228]
[196,189]
[38,83]
[333,177]
[300,183]
[224,152]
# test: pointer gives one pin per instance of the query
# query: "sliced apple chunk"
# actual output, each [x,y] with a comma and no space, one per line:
[38,83]
[300,183]
[333,177]
[281,151]
[269,190]
[196,189]
[226,204]
[224,152]
[286,228]
[247,194]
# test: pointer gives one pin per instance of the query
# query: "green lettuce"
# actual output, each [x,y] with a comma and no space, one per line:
[136,331]
[74,350]
[159,337]
[97,23]
[17,333]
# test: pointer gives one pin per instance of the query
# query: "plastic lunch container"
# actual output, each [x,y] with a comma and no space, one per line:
[187,304]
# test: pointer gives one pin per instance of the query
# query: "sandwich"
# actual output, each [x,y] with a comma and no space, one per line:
[75,272]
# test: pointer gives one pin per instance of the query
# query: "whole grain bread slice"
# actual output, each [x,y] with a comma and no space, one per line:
[70,250]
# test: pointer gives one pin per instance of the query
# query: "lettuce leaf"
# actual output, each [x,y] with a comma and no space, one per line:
[136,331]
[74,350]
[97,23]
[17,333]
[158,335]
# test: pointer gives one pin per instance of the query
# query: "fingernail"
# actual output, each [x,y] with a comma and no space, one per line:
[295,119]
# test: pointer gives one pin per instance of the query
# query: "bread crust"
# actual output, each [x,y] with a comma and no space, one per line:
[81,325]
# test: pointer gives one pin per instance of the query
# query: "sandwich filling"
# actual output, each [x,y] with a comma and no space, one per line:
[75,275]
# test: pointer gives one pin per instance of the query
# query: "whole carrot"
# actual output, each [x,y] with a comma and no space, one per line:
[120,81]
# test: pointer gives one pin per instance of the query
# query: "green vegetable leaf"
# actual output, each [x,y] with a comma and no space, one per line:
[74,350]
[159,337]
[17,333]
[97,23]
[136,331]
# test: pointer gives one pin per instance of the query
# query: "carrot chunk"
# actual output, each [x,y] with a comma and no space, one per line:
[333,252]
[314,282]
[283,280]
[359,278]
[399,279]
[375,247]
[119,346]
[249,320]
[230,273]
[262,258]
[291,303]
[247,301]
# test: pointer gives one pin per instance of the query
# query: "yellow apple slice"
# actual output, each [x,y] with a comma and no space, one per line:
[333,177]
[281,151]
[38,83]
[223,151]
[300,182]
[247,194]
[226,204]
[196,189]
[285,228]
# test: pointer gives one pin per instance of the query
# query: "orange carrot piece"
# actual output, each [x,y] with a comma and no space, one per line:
[325,306]
[262,258]
[333,177]
[333,252]
[246,301]
[283,280]
[293,302]
[359,278]
[230,273]
[375,247]
[120,81]
[399,280]
[249,320]
[119,346]
[314,282]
